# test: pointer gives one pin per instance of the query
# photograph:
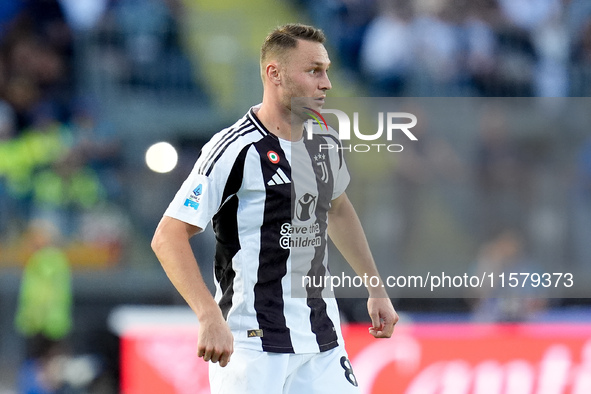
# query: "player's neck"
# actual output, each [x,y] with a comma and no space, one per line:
[278,122]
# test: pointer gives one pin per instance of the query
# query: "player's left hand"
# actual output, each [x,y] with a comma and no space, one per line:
[383,317]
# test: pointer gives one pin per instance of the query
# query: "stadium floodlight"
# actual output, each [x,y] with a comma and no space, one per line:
[161,157]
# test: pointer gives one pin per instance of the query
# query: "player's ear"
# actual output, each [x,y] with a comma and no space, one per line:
[272,73]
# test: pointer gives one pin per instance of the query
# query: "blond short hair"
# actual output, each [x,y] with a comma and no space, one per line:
[285,38]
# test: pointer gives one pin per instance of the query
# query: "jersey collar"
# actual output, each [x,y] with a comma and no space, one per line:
[257,122]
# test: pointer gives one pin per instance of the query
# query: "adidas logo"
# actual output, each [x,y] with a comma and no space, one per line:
[279,178]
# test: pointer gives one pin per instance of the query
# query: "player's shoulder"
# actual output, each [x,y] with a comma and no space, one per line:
[226,144]
[242,127]
[331,135]
[314,128]
[244,131]
[323,132]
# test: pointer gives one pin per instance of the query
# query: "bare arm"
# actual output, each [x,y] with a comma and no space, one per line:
[344,229]
[172,247]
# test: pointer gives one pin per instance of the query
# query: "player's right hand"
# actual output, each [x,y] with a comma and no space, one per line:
[215,342]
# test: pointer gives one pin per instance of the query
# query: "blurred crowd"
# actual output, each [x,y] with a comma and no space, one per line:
[61,159]
[461,47]
[36,54]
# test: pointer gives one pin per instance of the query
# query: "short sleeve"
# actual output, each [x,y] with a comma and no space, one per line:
[200,196]
[197,200]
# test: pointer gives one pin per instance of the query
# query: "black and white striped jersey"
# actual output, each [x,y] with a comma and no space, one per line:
[268,200]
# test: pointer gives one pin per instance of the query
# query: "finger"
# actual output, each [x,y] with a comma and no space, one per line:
[375,329]
[224,360]
[207,354]
[388,329]
[385,331]
[376,322]
[215,357]
[380,334]
[375,333]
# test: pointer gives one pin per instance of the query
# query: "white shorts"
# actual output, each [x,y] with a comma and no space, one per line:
[255,372]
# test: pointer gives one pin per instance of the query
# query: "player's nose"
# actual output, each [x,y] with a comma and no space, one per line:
[325,83]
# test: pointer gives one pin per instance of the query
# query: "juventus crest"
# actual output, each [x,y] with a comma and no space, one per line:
[320,160]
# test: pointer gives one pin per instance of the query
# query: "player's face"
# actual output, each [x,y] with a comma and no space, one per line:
[306,74]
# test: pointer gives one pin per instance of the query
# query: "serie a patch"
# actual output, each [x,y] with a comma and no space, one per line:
[254,333]
[195,197]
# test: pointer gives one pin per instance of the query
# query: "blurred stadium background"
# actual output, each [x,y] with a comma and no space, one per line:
[87,86]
